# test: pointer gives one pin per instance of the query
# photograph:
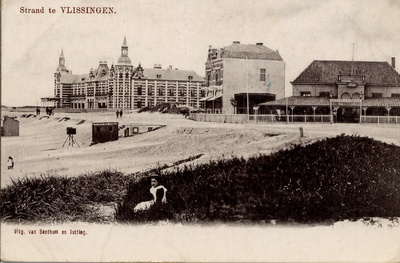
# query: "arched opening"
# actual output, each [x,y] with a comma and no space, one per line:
[345,96]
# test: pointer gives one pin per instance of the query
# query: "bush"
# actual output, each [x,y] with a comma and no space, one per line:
[346,177]
[59,199]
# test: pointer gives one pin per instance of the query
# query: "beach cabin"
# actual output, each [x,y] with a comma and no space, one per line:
[9,127]
[104,132]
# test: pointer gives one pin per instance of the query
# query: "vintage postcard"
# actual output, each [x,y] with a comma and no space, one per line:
[200,131]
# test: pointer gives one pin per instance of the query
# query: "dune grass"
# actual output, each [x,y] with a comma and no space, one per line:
[51,199]
[346,177]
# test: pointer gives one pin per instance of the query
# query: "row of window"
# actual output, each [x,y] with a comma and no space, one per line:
[169,93]
[328,94]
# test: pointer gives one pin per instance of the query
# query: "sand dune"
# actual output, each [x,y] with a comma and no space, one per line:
[38,149]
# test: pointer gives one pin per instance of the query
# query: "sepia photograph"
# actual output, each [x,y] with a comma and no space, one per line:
[200,131]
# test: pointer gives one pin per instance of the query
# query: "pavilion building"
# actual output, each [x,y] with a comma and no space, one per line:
[346,89]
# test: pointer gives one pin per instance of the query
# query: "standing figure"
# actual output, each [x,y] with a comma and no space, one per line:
[10,163]
[159,193]
[120,113]
[117,113]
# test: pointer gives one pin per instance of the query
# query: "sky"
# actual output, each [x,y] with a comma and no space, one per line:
[178,33]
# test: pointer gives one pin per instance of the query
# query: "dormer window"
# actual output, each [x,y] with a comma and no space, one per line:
[190,77]
[159,76]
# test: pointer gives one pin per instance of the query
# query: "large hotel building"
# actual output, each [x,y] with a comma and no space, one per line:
[124,86]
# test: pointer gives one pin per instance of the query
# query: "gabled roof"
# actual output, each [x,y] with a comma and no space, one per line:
[81,78]
[67,78]
[171,74]
[102,72]
[327,71]
[250,51]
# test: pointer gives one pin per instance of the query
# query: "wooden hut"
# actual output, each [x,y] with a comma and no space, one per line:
[9,127]
[104,132]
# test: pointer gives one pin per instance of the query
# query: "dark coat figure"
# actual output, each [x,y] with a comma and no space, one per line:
[37,111]
[117,113]
[47,111]
[120,113]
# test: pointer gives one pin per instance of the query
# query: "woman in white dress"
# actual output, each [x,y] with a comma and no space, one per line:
[158,192]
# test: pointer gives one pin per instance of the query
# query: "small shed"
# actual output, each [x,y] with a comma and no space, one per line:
[104,132]
[10,127]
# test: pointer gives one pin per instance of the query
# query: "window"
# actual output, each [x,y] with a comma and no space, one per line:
[305,94]
[110,129]
[262,74]
[139,90]
[377,95]
[325,94]
[160,92]
[98,129]
[395,95]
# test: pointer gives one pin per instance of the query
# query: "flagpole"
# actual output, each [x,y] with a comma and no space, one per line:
[247,88]
[352,61]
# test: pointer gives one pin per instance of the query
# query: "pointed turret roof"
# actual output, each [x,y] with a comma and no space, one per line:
[61,63]
[124,59]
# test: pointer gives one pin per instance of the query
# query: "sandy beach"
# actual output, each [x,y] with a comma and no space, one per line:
[38,150]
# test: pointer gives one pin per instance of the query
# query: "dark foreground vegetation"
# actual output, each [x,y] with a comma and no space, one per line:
[347,177]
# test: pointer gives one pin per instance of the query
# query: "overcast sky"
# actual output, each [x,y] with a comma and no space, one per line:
[178,33]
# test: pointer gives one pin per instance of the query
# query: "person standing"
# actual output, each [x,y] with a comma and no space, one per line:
[117,113]
[10,163]
[120,113]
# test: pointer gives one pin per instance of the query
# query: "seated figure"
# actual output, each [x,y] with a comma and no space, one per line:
[159,193]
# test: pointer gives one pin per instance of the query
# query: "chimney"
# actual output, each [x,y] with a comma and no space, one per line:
[210,47]
[259,44]
[393,62]
[236,42]
[170,66]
